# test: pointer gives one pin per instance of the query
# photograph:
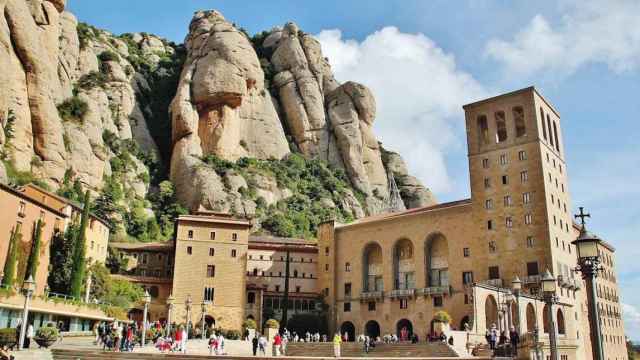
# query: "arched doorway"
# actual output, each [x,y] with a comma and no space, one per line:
[349,329]
[436,253]
[466,321]
[372,268]
[372,329]
[560,322]
[531,318]
[403,265]
[404,330]
[545,319]
[490,312]
[209,320]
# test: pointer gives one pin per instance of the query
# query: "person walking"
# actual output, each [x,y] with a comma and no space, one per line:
[262,345]
[493,336]
[277,341]
[185,337]
[254,344]
[337,341]
[514,339]
[29,336]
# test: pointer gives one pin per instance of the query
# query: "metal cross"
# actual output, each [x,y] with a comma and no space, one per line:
[582,215]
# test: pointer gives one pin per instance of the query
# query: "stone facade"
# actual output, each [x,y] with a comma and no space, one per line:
[384,273]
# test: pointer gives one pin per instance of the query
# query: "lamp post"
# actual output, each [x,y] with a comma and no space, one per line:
[516,287]
[170,301]
[204,311]
[147,299]
[188,304]
[550,298]
[589,265]
[28,288]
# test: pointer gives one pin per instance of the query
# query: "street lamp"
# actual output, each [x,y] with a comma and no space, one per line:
[549,294]
[589,265]
[188,304]
[28,288]
[147,299]
[204,310]
[516,287]
[170,301]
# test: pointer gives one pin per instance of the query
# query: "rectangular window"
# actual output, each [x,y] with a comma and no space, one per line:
[372,306]
[467,277]
[251,298]
[233,253]
[212,251]
[532,268]
[189,250]
[326,251]
[522,155]
[489,224]
[212,235]
[437,301]
[297,289]
[487,183]
[488,204]
[347,267]
[494,272]
[526,198]
[530,242]
[508,222]
[277,288]
[347,289]
[505,180]
[190,234]
[211,271]
[21,208]
[404,303]
[208,294]
[508,201]
[326,267]
[485,163]
[524,176]
[492,247]
[347,307]
[528,219]
[234,236]
[503,159]
[466,252]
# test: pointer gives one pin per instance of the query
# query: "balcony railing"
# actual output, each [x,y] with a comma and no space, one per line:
[494,282]
[531,279]
[372,295]
[402,293]
[433,290]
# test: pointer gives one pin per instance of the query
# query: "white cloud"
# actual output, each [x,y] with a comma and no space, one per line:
[631,316]
[590,31]
[419,93]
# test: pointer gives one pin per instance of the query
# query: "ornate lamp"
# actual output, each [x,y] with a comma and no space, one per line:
[28,288]
[516,285]
[549,286]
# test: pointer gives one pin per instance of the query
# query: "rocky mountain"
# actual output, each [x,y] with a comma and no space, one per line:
[253,125]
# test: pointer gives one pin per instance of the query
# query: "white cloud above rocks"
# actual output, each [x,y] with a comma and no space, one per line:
[631,316]
[419,92]
[588,32]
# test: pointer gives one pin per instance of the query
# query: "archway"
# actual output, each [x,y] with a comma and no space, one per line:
[372,268]
[545,319]
[349,329]
[466,321]
[372,329]
[404,330]
[490,312]
[531,318]
[403,265]
[560,322]
[209,320]
[436,253]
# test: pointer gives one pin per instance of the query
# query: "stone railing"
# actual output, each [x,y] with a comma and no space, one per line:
[531,279]
[371,295]
[494,282]
[402,293]
[433,290]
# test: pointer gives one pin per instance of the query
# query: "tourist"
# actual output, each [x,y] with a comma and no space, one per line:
[283,345]
[213,344]
[28,336]
[220,344]
[277,341]
[178,338]
[337,341]
[514,339]
[117,335]
[493,337]
[185,337]
[4,353]
[262,344]
[503,338]
[366,344]
[254,344]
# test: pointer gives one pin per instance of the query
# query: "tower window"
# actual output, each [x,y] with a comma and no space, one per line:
[347,267]
[485,163]
[518,116]
[544,129]
[555,136]
[501,127]
[483,130]
[524,176]
[466,252]
[487,183]
[528,219]
[505,179]
[508,222]
[492,246]
[212,251]
[522,155]
[503,159]
[530,242]
[233,253]
[190,234]
[490,225]
[508,201]
[550,133]
[234,236]
[212,235]
[189,250]
[488,204]
[526,198]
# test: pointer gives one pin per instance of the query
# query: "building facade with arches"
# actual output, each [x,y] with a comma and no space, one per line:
[462,256]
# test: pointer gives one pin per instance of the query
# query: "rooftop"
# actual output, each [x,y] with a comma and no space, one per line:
[150,246]
[214,217]
[513,93]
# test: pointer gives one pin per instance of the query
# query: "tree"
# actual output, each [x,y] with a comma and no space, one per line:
[61,259]
[34,256]
[12,257]
[115,263]
[78,269]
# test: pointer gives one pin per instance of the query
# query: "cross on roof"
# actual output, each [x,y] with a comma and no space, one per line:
[582,215]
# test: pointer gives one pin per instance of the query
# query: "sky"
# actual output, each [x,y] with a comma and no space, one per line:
[424,60]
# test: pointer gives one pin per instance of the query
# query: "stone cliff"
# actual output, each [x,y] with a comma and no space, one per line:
[253,125]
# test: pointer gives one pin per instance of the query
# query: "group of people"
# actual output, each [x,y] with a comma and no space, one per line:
[116,336]
[497,339]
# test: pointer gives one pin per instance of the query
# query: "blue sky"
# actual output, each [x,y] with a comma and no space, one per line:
[424,60]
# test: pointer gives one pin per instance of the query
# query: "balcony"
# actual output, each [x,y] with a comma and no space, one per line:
[565,282]
[531,279]
[433,290]
[494,282]
[371,295]
[402,293]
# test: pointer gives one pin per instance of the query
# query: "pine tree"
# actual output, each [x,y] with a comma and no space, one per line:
[34,257]
[79,261]
[12,257]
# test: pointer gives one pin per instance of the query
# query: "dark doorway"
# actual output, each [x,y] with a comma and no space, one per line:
[349,329]
[372,329]
[404,330]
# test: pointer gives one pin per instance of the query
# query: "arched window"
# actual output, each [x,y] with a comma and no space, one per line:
[372,268]
[255,272]
[483,130]
[347,267]
[560,322]
[501,127]
[295,273]
[550,133]
[403,265]
[555,136]
[545,319]
[518,117]
[544,128]
[531,318]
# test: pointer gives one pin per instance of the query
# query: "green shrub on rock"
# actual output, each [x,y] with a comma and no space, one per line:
[73,109]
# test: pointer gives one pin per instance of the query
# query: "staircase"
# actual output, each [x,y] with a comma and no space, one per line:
[353,349]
